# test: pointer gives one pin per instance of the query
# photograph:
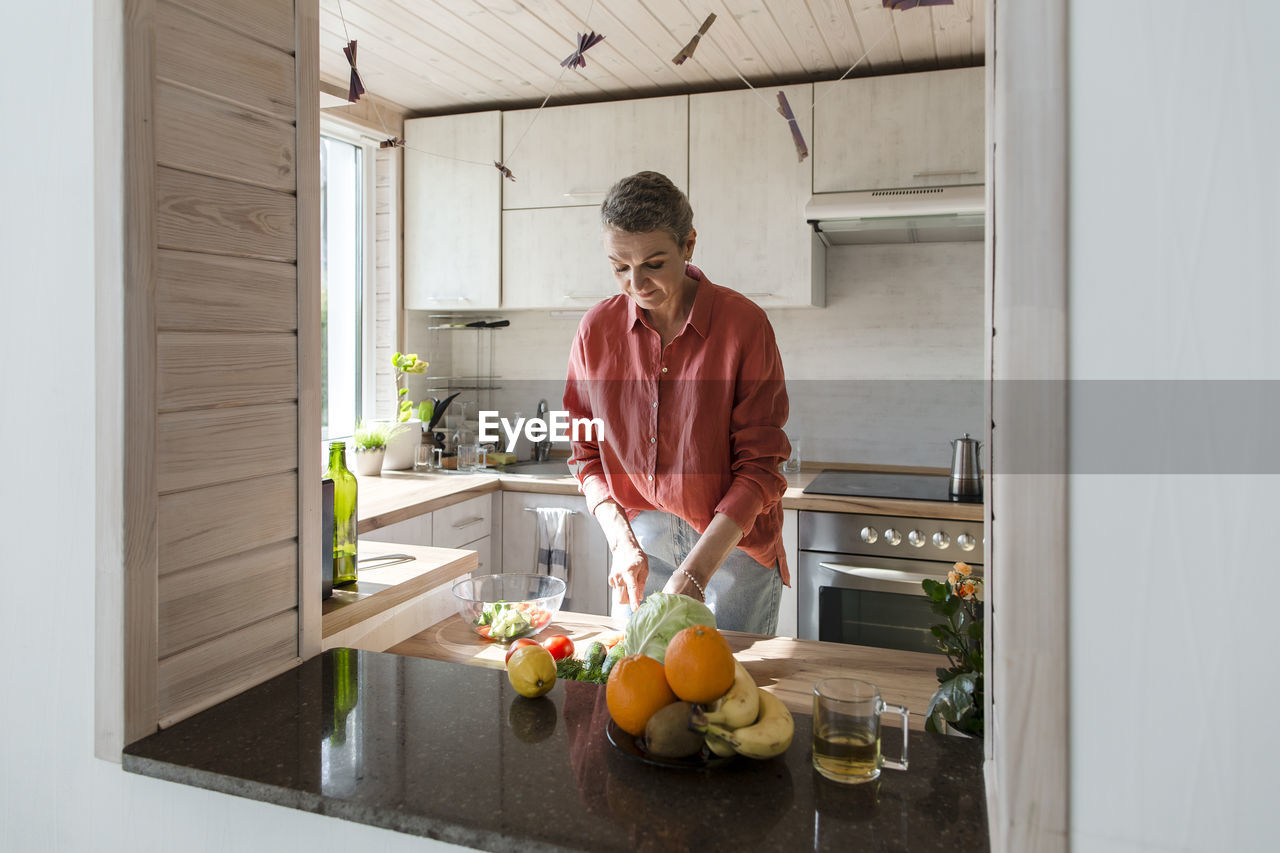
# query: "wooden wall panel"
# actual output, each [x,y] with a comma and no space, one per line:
[207,601]
[203,447]
[307,39]
[269,21]
[208,524]
[199,133]
[140,499]
[197,369]
[201,54]
[199,676]
[215,293]
[206,214]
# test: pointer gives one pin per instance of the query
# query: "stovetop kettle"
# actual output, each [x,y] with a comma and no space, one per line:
[966,468]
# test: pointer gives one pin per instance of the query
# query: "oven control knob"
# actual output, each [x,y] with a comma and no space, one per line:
[916,538]
[941,540]
[869,535]
[892,536]
[966,542]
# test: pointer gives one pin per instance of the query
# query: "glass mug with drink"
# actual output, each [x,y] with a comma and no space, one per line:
[472,457]
[846,730]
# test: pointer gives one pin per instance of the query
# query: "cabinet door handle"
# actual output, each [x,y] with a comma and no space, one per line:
[880,574]
[458,525]
[585,193]
[535,509]
[759,293]
[581,296]
[940,173]
[447,299]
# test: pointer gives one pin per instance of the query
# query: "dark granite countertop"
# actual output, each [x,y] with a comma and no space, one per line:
[450,751]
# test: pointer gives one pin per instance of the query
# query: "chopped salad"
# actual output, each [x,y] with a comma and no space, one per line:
[507,621]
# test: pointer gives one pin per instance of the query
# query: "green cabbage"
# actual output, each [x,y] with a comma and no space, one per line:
[658,619]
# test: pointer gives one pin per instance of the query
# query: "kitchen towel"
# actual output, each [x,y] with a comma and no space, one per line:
[551,542]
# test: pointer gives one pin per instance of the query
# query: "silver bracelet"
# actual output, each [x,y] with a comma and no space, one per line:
[702,592]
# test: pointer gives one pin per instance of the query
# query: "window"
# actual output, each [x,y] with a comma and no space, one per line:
[346,282]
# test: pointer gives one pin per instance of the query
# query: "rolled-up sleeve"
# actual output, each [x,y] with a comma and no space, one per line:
[757,442]
[585,461]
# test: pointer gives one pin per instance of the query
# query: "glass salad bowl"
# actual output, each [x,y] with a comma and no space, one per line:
[508,607]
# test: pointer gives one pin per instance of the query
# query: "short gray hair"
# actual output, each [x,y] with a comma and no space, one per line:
[648,201]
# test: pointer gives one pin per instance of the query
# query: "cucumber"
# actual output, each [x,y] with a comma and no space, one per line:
[595,655]
[615,654]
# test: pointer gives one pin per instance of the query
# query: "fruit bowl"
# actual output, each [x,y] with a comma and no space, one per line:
[510,606]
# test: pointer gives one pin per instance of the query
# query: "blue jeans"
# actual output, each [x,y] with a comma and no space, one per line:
[743,594]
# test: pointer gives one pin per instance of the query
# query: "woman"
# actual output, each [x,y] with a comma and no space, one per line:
[686,377]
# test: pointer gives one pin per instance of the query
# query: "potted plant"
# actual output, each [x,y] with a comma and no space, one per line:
[956,705]
[400,450]
[370,444]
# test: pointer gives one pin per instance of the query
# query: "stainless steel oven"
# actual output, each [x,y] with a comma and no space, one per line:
[859,575]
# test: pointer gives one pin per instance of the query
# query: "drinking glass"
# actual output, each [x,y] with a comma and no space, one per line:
[846,731]
[425,457]
[472,457]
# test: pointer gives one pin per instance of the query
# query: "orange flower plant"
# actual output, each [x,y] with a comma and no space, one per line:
[958,700]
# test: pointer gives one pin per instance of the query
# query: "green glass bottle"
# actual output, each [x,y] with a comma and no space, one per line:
[344,514]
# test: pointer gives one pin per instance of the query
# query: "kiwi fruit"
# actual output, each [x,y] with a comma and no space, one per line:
[667,733]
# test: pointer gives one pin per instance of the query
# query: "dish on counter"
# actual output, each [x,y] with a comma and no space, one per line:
[628,746]
[508,607]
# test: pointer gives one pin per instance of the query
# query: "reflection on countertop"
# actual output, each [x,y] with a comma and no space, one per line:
[372,738]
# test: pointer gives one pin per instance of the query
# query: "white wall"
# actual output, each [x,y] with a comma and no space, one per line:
[889,371]
[1174,180]
[54,795]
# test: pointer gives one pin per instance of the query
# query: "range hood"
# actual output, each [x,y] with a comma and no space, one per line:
[914,215]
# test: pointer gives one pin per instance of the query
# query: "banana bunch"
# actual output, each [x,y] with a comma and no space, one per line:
[745,721]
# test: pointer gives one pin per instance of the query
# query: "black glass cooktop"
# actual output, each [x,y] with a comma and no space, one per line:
[915,487]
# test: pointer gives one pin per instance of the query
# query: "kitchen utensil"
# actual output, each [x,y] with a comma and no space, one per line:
[438,412]
[966,467]
[846,731]
[537,597]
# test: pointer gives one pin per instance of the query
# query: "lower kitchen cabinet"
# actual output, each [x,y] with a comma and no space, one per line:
[412,531]
[588,550]
[788,610]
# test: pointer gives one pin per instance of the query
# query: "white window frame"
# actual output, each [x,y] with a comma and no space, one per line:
[368,285]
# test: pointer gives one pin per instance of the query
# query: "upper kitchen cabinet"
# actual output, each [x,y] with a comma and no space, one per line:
[902,130]
[554,258]
[571,155]
[748,190]
[452,212]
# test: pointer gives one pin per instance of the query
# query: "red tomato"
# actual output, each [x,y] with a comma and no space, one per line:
[560,646]
[517,644]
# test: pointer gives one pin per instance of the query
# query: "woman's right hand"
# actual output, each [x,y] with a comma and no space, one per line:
[628,572]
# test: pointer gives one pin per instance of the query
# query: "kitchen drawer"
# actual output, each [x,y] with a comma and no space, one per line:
[412,531]
[455,526]
[484,555]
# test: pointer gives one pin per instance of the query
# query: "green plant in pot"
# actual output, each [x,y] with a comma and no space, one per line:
[958,702]
[370,443]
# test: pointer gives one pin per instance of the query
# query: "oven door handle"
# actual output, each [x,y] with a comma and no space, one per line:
[880,574]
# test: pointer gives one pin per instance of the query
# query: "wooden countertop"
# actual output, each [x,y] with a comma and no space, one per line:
[400,495]
[382,587]
[785,667]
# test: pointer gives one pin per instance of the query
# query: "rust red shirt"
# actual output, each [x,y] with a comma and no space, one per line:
[692,430]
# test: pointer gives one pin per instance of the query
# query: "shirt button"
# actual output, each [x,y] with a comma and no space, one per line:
[650,476]
[653,440]
[655,404]
[664,370]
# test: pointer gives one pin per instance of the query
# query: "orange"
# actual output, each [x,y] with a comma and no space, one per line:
[636,690]
[699,664]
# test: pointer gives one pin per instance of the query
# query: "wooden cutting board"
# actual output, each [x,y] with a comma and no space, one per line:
[785,667]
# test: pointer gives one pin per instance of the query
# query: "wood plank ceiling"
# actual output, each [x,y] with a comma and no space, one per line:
[447,56]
